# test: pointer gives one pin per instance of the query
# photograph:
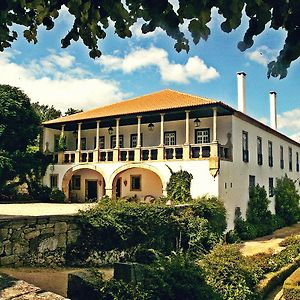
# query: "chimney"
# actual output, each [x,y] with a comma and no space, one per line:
[273,113]
[241,86]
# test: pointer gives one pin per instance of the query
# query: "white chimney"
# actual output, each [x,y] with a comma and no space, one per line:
[273,113]
[241,86]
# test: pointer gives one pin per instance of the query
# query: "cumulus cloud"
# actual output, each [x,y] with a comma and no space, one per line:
[58,80]
[140,58]
[290,121]
[262,55]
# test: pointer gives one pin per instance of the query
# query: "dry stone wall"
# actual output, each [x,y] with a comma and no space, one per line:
[36,241]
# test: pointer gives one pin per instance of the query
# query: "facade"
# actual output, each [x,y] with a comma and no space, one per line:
[124,149]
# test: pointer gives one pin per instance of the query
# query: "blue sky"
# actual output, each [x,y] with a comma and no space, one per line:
[148,63]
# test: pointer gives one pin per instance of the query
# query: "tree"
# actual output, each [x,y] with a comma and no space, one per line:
[72,111]
[287,200]
[18,121]
[19,126]
[46,112]
[92,18]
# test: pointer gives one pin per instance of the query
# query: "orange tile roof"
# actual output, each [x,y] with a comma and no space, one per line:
[162,100]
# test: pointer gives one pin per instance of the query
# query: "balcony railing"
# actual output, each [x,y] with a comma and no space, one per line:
[152,153]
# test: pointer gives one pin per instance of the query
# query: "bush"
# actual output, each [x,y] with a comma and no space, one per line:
[176,277]
[291,286]
[57,195]
[40,192]
[287,200]
[230,274]
[130,226]
[290,240]
[179,186]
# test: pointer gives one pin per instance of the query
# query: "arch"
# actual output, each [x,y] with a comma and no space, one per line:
[90,173]
[150,181]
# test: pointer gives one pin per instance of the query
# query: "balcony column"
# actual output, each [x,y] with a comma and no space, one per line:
[214,160]
[186,146]
[60,158]
[137,150]
[96,150]
[214,124]
[117,148]
[78,154]
[160,150]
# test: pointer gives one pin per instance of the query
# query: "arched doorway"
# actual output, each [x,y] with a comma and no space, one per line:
[137,181]
[83,185]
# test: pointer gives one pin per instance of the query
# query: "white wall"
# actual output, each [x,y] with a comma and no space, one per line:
[237,172]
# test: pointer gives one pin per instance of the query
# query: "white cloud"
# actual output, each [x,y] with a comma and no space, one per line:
[289,121]
[195,68]
[136,30]
[58,80]
[262,55]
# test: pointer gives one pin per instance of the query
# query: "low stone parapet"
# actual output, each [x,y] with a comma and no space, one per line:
[36,241]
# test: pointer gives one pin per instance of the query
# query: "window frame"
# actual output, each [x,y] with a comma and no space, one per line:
[252,181]
[290,151]
[271,187]
[297,161]
[132,179]
[131,140]
[121,141]
[245,146]
[281,157]
[270,153]
[259,151]
[82,144]
[175,138]
[202,130]
[101,142]
[52,186]
[76,187]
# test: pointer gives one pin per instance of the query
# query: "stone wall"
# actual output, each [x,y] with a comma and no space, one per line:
[36,241]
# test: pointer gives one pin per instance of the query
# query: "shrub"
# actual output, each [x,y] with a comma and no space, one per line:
[179,186]
[291,286]
[287,200]
[57,195]
[230,274]
[212,209]
[130,226]
[290,240]
[40,192]
[176,277]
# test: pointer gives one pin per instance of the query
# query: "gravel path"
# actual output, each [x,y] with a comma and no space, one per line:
[42,209]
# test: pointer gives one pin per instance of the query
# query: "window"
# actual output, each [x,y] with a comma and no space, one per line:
[202,136]
[281,158]
[101,142]
[113,141]
[245,146]
[170,138]
[259,151]
[271,187]
[133,140]
[290,159]
[135,182]
[251,181]
[83,144]
[270,153]
[76,182]
[53,181]
[297,161]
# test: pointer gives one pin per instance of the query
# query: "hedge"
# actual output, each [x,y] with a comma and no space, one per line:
[291,287]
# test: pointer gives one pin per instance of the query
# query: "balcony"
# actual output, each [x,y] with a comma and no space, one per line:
[151,153]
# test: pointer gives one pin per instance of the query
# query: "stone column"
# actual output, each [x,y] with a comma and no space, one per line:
[116,149]
[160,150]
[96,150]
[78,154]
[214,124]
[137,150]
[186,146]
[60,158]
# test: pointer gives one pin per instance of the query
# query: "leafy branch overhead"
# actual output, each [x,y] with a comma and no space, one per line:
[92,19]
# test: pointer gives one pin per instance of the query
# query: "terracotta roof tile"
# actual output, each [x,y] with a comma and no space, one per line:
[162,100]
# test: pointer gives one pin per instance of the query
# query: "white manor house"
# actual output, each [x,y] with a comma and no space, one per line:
[123,149]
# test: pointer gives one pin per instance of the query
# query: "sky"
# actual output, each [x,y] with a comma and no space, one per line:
[147,63]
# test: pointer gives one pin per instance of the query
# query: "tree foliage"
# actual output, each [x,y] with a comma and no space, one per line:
[287,200]
[92,20]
